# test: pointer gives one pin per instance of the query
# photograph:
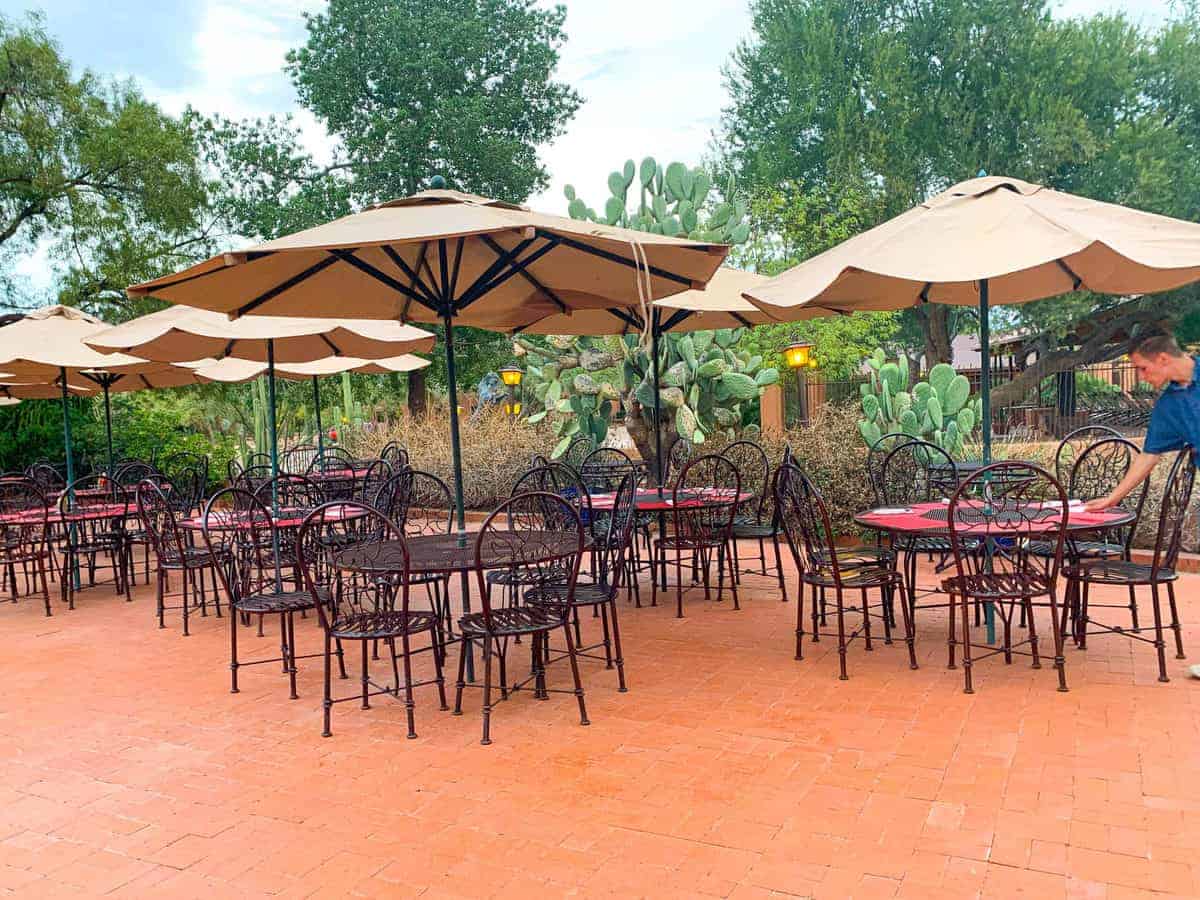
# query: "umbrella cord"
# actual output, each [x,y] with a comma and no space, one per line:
[641,277]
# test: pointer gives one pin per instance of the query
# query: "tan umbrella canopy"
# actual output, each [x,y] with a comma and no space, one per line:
[48,348]
[183,334]
[446,256]
[719,305]
[989,240]
[1025,240]
[440,254]
[43,391]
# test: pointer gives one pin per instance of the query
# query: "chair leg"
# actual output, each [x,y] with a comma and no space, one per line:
[487,685]
[438,661]
[464,650]
[1027,613]
[1060,660]
[1133,610]
[327,702]
[910,631]
[1160,645]
[410,705]
[583,718]
[233,655]
[816,631]
[616,638]
[678,582]
[1175,621]
[968,687]
[951,638]
[841,626]
[605,638]
[365,677]
[779,569]
[733,583]
[866,614]
[800,621]
[289,622]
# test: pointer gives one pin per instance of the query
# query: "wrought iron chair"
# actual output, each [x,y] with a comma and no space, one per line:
[176,555]
[24,536]
[1161,573]
[609,562]
[1098,469]
[913,472]
[179,468]
[701,530]
[258,458]
[371,480]
[47,479]
[678,456]
[756,519]
[362,594]
[577,451]
[252,477]
[93,512]
[540,535]
[1071,447]
[298,460]
[337,472]
[604,468]
[427,508]
[1029,505]
[237,530]
[805,521]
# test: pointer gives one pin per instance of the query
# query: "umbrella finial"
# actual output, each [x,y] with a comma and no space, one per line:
[437,183]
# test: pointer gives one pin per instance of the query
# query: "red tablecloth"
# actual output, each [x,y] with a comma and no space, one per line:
[288,518]
[83,514]
[931,517]
[649,501]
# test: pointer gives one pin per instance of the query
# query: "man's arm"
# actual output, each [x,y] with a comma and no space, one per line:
[1140,470]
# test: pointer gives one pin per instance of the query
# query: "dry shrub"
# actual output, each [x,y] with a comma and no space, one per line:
[496,449]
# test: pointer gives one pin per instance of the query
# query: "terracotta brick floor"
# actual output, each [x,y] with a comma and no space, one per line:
[729,769]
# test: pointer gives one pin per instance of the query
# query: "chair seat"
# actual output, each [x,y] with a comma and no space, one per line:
[998,585]
[382,624]
[10,555]
[193,557]
[925,544]
[278,602]
[861,555]
[514,620]
[862,577]
[586,594]
[521,576]
[1076,549]
[755,530]
[675,542]
[1118,571]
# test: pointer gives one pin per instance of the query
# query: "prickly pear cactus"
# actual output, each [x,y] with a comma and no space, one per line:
[675,201]
[939,410]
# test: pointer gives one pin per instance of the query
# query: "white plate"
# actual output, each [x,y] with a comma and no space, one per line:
[891,511]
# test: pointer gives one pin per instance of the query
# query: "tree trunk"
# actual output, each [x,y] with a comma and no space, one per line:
[643,438]
[416,392]
[935,319]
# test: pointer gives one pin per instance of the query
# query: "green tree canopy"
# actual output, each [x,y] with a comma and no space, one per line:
[891,101]
[111,182]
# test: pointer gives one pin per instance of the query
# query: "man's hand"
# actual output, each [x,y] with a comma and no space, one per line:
[1100,504]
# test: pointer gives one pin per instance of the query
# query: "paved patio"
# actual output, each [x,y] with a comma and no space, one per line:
[729,770]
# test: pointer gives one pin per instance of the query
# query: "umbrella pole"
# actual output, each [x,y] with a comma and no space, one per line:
[456,460]
[985,371]
[660,472]
[274,459]
[317,410]
[62,372]
[455,449]
[108,426]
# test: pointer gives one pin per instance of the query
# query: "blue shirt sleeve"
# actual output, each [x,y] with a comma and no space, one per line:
[1165,433]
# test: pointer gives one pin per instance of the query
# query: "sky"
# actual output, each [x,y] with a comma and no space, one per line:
[649,70]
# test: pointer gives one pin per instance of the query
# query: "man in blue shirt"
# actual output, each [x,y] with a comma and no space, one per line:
[1175,422]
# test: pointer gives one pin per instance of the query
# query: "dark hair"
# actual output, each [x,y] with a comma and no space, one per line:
[1154,344]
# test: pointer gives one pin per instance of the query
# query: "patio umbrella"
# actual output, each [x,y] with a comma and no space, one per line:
[230,369]
[985,241]
[183,334]
[445,256]
[47,348]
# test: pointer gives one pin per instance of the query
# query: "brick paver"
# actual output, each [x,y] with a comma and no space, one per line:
[728,770]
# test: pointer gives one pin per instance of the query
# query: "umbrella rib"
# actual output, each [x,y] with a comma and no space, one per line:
[368,269]
[431,299]
[515,268]
[499,251]
[458,252]
[1070,272]
[482,283]
[616,258]
[330,344]
[296,279]
[675,318]
[250,257]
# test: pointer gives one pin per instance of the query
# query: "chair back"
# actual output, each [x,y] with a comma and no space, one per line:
[348,595]
[332,459]
[577,451]
[47,478]
[24,516]
[711,519]
[239,535]
[754,470]
[604,468]
[258,458]
[297,460]
[804,519]
[93,491]
[430,506]
[395,455]
[609,548]
[393,496]
[539,538]
[1097,471]
[158,521]
[678,455]
[876,454]
[182,462]
[368,483]
[562,481]
[916,472]
[1005,506]
[1173,512]
[251,477]
[294,492]
[128,474]
[1071,447]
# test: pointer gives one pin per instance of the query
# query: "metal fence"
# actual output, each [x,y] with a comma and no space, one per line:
[1101,394]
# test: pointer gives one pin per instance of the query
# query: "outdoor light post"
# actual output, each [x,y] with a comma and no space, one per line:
[511,375]
[799,357]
